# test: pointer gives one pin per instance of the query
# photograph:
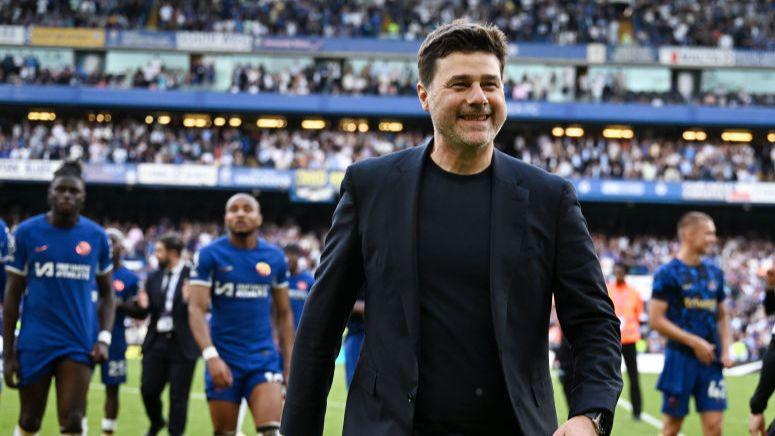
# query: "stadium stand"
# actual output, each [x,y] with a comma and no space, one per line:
[743,24]
[687,89]
[660,158]
[343,78]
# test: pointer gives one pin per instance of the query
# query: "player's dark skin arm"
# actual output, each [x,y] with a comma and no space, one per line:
[13,294]
[197,309]
[107,311]
[659,322]
[132,309]
[284,322]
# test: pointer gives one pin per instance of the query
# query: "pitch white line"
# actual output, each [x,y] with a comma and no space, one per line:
[648,419]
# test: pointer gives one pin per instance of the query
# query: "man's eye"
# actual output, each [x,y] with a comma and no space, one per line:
[459,85]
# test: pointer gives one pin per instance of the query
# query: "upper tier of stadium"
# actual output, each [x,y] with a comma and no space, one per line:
[305,76]
[711,23]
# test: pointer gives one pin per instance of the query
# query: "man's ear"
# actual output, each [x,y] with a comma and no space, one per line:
[422,94]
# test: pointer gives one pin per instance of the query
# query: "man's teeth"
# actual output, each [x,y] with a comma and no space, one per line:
[475,117]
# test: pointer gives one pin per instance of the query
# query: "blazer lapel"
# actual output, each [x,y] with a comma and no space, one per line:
[404,186]
[507,228]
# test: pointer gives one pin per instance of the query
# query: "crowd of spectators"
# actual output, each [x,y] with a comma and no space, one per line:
[647,159]
[27,70]
[130,141]
[343,78]
[739,24]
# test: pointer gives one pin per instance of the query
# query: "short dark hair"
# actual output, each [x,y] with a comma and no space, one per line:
[172,241]
[692,218]
[70,168]
[459,36]
[293,248]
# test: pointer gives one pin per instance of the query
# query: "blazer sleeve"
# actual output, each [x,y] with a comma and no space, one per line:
[585,312]
[319,336]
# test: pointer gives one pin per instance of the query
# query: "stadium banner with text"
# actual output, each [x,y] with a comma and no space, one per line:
[13,35]
[751,58]
[67,37]
[696,56]
[140,39]
[213,42]
[322,186]
[627,54]
[28,170]
[729,192]
[254,178]
[176,175]
[315,186]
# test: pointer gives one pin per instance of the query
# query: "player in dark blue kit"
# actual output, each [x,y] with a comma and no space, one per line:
[56,257]
[687,306]
[5,238]
[242,276]
[113,370]
[299,282]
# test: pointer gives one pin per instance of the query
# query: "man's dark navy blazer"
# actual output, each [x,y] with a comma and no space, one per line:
[539,245]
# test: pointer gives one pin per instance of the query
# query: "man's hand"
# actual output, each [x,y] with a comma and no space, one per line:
[577,426]
[99,353]
[756,425]
[726,360]
[142,299]
[704,350]
[11,371]
[220,372]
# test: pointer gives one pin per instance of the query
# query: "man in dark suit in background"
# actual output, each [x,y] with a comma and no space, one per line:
[169,350]
[460,248]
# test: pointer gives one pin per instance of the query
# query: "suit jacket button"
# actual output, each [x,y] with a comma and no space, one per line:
[410,397]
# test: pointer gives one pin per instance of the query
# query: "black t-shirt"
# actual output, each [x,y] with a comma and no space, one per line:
[461,387]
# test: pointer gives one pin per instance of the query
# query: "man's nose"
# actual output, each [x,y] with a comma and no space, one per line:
[476,95]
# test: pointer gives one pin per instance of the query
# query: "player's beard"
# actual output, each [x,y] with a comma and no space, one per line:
[243,234]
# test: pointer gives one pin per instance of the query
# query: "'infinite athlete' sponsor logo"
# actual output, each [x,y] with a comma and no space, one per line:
[241,290]
[700,303]
[59,270]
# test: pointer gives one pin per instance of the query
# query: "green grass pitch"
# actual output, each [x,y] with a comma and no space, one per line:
[132,420]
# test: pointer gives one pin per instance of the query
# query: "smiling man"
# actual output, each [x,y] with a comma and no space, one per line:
[458,249]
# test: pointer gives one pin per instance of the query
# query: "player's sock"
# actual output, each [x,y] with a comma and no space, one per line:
[84,426]
[108,426]
[19,432]
[271,428]
[225,433]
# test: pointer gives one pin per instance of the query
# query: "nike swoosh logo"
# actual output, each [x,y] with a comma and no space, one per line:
[41,249]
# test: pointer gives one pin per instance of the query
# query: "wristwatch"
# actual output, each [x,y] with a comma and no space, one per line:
[598,421]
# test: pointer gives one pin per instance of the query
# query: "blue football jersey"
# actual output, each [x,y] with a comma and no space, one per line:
[60,266]
[241,282]
[693,294]
[298,287]
[5,240]
[125,285]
